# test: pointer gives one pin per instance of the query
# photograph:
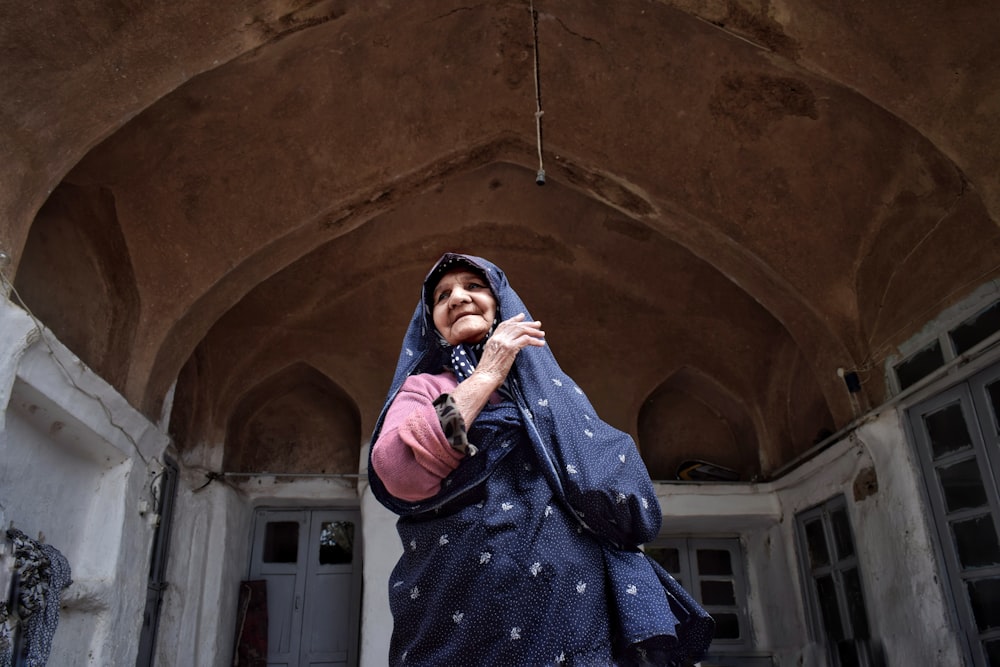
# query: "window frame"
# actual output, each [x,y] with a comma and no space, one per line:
[690,578]
[971,395]
[835,568]
[947,322]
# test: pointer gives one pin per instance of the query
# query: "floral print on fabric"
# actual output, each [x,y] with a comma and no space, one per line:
[42,573]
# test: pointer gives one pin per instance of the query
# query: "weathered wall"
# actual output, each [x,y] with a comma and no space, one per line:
[76,473]
[76,467]
[903,589]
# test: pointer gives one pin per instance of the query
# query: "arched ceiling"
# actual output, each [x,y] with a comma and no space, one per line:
[750,194]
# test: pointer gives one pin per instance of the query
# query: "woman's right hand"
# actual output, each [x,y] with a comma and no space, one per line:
[510,337]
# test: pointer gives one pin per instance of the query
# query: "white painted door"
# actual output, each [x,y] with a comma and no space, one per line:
[311,562]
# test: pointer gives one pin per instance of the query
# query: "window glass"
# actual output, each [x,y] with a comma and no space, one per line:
[714,562]
[947,430]
[842,533]
[920,365]
[992,651]
[836,594]
[667,557]
[827,591]
[727,626]
[993,391]
[816,541]
[855,603]
[976,542]
[847,652]
[959,449]
[961,485]
[976,329]
[717,592]
[984,594]
[713,566]
[336,542]
[281,542]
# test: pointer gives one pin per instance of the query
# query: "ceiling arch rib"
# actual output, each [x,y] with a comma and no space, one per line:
[627,298]
[297,420]
[167,349]
[368,238]
[690,416]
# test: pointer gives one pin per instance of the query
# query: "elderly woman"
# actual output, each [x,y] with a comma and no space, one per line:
[520,510]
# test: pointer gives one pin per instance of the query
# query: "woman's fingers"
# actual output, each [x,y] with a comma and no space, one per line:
[519,333]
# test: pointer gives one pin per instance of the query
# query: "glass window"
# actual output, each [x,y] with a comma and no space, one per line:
[958,445]
[962,486]
[947,430]
[816,540]
[993,393]
[670,559]
[976,329]
[842,533]
[712,566]
[976,542]
[835,596]
[919,365]
[281,542]
[985,597]
[336,543]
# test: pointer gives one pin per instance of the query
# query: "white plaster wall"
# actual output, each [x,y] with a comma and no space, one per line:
[210,550]
[206,561]
[382,550]
[909,613]
[76,464]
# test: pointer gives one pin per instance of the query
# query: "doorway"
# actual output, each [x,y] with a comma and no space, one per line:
[311,561]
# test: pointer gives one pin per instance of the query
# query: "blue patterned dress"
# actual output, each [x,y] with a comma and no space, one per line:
[529,553]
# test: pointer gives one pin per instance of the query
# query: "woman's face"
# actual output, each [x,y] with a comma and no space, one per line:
[463,307]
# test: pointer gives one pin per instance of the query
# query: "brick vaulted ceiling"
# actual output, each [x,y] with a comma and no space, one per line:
[227,207]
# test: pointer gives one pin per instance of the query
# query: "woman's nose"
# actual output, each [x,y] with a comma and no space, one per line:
[458,296]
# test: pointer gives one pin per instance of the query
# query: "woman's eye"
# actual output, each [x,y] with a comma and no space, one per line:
[442,296]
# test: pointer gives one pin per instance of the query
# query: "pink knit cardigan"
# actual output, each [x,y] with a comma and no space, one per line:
[412,455]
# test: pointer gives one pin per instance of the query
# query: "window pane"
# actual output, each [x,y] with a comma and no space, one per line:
[992,652]
[714,562]
[842,534]
[727,626]
[947,430]
[848,653]
[962,485]
[985,598]
[281,542]
[718,593]
[827,596]
[668,557]
[336,543]
[976,542]
[816,540]
[855,604]
[920,365]
[976,329]
[993,391]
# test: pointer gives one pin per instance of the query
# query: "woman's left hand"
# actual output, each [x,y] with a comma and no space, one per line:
[510,337]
